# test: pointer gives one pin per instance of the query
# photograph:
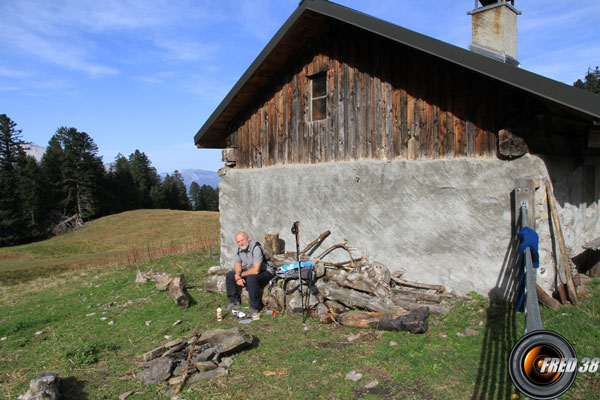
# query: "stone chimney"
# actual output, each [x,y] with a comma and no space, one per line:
[495,30]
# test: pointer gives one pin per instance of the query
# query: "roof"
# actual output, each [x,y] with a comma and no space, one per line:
[306,23]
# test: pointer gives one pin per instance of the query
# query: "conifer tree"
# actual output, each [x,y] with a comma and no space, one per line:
[195,196]
[12,218]
[591,81]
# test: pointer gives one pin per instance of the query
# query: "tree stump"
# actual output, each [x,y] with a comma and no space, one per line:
[176,291]
[272,246]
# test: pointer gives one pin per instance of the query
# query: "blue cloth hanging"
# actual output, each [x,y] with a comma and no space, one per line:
[529,238]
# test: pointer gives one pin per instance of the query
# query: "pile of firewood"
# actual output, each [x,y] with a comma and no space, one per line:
[203,356]
[388,301]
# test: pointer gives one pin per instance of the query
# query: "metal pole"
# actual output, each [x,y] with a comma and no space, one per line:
[533,320]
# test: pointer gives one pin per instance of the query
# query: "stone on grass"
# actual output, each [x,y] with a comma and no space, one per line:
[353,376]
[206,354]
[200,376]
[353,338]
[44,386]
[226,340]
[371,384]
[148,323]
[203,366]
[158,371]
[471,332]
[226,362]
[125,395]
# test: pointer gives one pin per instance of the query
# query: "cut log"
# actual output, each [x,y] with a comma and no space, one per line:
[272,246]
[316,241]
[415,321]
[353,298]
[359,281]
[411,305]
[335,307]
[176,291]
[564,258]
[511,145]
[409,295]
[418,285]
[546,300]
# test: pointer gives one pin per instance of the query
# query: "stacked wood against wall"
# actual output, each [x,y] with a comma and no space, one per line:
[384,101]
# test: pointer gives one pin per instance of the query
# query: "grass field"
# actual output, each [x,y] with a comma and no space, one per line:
[124,238]
[291,360]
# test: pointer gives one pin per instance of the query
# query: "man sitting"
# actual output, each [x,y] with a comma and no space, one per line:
[252,270]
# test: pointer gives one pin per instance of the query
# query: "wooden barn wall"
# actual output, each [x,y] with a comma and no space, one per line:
[385,101]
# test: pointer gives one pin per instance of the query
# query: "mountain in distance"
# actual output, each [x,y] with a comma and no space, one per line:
[35,151]
[200,176]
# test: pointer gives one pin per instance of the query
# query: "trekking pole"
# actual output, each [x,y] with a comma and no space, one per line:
[296,231]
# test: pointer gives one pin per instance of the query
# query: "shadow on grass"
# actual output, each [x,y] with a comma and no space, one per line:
[72,388]
[493,381]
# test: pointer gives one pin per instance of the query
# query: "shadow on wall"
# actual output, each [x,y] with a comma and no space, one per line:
[493,381]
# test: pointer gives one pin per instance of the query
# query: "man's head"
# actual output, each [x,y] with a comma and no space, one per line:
[242,240]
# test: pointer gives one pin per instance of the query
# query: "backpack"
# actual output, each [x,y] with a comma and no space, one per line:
[266,258]
[290,271]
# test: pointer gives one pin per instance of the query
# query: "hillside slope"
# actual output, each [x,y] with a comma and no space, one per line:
[124,237]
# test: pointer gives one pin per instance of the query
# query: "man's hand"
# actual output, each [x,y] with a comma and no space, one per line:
[239,280]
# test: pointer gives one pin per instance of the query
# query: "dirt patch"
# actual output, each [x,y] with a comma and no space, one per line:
[334,345]
[391,391]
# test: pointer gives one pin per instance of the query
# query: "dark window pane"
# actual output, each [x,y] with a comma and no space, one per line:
[319,109]
[319,85]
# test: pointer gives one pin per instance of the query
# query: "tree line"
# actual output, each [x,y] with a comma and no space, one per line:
[72,181]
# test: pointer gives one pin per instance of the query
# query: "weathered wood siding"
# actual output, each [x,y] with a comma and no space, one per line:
[385,101]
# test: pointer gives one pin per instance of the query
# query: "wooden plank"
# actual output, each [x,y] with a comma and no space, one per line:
[459,111]
[434,147]
[470,130]
[332,107]
[352,140]
[283,112]
[295,121]
[388,116]
[403,104]
[449,137]
[368,103]
[376,72]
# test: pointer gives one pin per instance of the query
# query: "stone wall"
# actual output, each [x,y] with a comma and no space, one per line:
[441,221]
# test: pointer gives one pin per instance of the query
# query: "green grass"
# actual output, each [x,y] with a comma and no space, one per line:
[291,360]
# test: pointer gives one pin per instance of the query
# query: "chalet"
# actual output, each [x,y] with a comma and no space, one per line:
[407,146]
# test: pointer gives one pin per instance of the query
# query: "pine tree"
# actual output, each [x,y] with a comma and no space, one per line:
[195,196]
[30,194]
[78,172]
[123,193]
[209,198]
[591,81]
[144,177]
[52,182]
[183,201]
[12,217]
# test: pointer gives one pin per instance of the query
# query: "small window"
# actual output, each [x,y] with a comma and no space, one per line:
[319,96]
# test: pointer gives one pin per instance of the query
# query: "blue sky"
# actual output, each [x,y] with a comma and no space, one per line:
[146,74]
